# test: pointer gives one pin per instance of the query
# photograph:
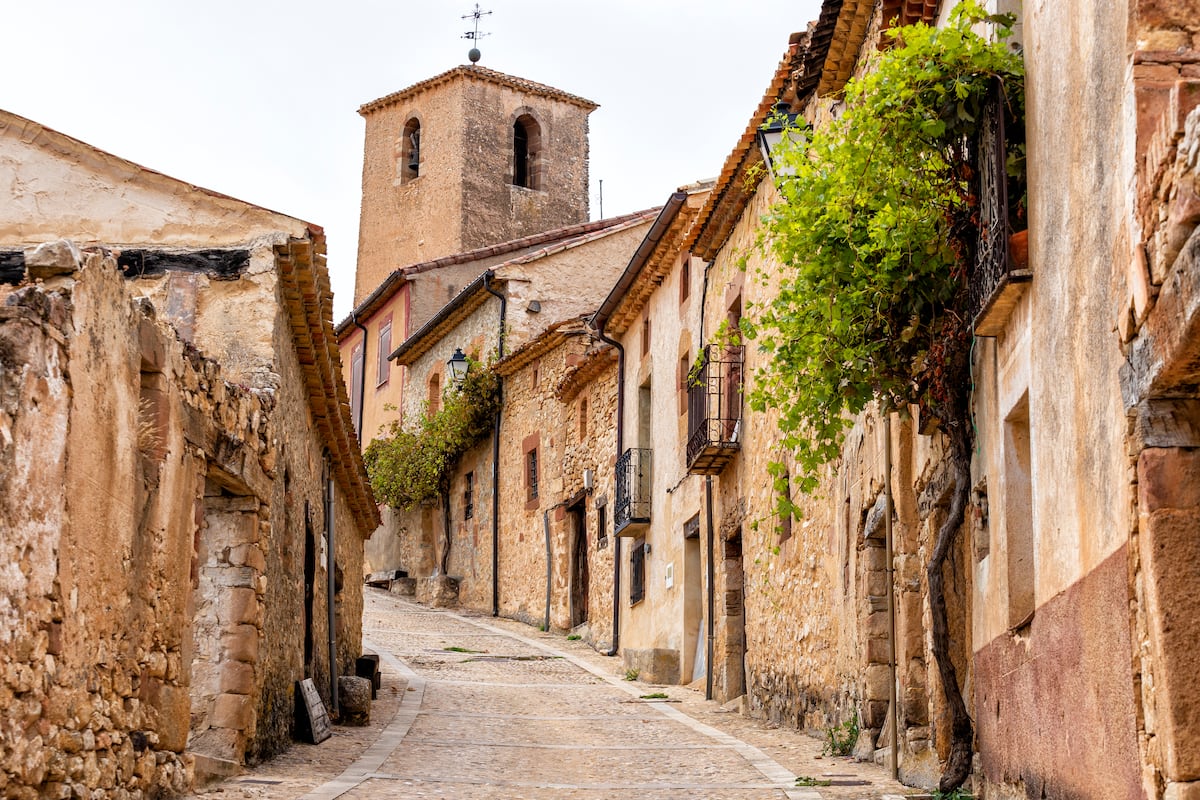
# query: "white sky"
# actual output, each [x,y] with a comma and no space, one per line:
[257,99]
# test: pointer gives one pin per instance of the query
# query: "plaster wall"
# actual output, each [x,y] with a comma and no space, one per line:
[52,184]
[1032,699]
[659,633]
[565,284]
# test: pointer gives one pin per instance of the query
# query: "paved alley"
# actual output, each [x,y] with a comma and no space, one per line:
[475,707]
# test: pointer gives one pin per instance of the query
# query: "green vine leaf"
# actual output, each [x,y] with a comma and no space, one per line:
[411,465]
[875,233]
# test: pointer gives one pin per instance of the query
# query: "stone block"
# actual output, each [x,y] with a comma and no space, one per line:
[1157,14]
[248,555]
[653,665]
[239,606]
[174,717]
[878,681]
[52,258]
[1168,477]
[405,587]
[878,651]
[1170,551]
[874,713]
[1182,791]
[237,677]
[231,711]
[241,644]
[354,700]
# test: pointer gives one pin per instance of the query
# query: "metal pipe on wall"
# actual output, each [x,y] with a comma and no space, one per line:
[487,285]
[891,589]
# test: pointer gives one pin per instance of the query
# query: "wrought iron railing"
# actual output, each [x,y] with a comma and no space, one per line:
[994,268]
[715,408]
[633,489]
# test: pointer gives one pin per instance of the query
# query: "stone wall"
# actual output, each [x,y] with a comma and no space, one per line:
[801,622]
[542,410]
[1160,329]
[156,516]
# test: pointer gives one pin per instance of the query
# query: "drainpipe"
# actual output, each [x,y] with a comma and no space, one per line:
[708,661]
[616,617]
[362,377]
[891,589]
[710,568]
[487,285]
[330,572]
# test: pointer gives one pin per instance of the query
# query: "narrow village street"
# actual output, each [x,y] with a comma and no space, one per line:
[477,707]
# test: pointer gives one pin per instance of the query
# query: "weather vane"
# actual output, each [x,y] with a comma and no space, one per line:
[475,35]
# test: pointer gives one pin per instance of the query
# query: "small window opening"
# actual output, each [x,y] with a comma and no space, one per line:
[385,349]
[469,496]
[637,572]
[527,139]
[685,278]
[583,420]
[410,151]
[435,393]
[531,474]
[646,336]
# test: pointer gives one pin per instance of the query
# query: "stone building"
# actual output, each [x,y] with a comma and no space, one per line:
[520,299]
[555,562]
[652,317]
[179,475]
[463,160]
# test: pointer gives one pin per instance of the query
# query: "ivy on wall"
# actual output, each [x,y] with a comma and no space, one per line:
[411,465]
[875,231]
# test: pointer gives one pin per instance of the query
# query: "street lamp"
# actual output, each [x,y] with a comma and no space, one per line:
[770,134]
[458,366]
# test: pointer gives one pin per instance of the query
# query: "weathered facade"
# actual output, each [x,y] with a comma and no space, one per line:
[178,462]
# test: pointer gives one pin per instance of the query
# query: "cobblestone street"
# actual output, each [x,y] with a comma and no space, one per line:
[476,707]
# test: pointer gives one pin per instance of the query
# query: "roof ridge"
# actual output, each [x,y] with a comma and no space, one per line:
[479,73]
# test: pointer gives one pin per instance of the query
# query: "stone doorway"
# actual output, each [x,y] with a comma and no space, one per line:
[310,582]
[225,632]
[731,660]
[579,563]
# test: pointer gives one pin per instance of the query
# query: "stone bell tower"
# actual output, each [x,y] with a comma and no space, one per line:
[463,160]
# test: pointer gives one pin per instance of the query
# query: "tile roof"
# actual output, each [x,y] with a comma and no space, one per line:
[577,377]
[483,74]
[308,301]
[474,294]
[543,343]
[392,283]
